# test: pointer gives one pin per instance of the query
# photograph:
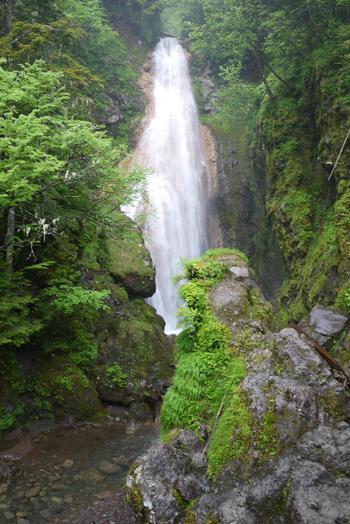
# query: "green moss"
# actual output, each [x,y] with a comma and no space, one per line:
[212,519]
[208,371]
[134,498]
[67,388]
[180,500]
[268,440]
[343,299]
[220,251]
[312,230]
[332,405]
[190,517]
[232,437]
[259,308]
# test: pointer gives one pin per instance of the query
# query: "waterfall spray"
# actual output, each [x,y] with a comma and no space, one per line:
[177,187]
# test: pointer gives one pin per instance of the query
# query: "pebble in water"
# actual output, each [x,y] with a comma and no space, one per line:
[45,494]
[108,468]
[68,463]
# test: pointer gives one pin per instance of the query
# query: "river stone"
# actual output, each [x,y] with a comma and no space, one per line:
[57,500]
[326,323]
[32,492]
[9,515]
[68,463]
[105,495]
[90,475]
[108,467]
[122,460]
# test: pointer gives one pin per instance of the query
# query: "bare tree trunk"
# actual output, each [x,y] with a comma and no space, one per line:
[261,69]
[10,238]
[284,82]
[8,5]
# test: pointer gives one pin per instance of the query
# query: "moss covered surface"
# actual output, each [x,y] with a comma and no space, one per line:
[212,356]
[123,355]
[129,262]
[301,135]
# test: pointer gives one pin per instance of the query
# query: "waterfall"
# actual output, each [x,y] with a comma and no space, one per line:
[177,187]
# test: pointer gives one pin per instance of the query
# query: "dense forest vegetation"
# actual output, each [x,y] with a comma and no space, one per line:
[284,82]
[69,107]
[78,342]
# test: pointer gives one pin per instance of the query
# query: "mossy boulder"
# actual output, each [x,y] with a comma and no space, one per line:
[129,262]
[69,390]
[135,359]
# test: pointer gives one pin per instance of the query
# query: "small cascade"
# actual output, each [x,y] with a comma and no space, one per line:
[176,224]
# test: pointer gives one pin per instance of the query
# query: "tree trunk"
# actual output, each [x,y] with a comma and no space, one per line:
[261,69]
[284,82]
[8,5]
[10,238]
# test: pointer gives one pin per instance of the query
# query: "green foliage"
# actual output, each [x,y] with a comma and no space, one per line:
[60,175]
[7,420]
[207,370]
[68,299]
[115,376]
[16,319]
[76,39]
[343,299]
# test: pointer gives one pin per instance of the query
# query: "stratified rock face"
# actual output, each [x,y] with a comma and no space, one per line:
[295,467]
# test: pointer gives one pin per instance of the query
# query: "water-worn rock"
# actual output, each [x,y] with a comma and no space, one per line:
[32,492]
[108,467]
[166,476]
[130,263]
[68,463]
[295,465]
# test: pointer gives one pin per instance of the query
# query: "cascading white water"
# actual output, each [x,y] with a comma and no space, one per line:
[177,188]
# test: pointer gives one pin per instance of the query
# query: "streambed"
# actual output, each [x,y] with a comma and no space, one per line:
[62,471]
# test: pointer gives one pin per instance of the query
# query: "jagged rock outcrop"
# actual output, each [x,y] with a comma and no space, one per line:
[293,464]
[324,323]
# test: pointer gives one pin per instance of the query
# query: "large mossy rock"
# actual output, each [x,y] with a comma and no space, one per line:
[68,389]
[135,361]
[284,458]
[129,262]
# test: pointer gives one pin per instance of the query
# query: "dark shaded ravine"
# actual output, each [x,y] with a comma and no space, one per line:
[61,472]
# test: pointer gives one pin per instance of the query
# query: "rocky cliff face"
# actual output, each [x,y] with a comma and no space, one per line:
[241,192]
[284,457]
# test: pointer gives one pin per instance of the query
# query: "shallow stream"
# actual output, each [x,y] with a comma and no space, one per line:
[63,470]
